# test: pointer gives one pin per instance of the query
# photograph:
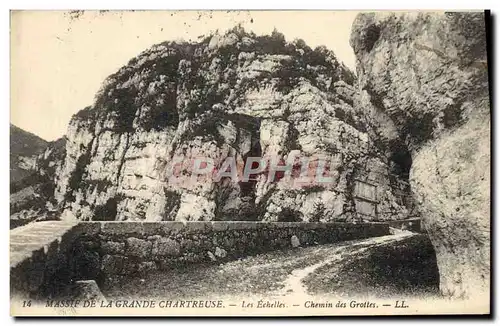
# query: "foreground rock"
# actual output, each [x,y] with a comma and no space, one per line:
[426,74]
[86,290]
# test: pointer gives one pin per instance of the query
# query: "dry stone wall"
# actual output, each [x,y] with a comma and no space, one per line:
[136,248]
[110,251]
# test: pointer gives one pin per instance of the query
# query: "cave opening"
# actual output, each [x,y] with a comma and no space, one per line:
[247,188]
[401,158]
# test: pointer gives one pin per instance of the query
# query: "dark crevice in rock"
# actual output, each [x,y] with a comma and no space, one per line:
[76,178]
[172,203]
[372,34]
[401,157]
[247,188]
[122,159]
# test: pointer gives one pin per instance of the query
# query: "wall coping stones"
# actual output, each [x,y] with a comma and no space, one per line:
[166,227]
[32,238]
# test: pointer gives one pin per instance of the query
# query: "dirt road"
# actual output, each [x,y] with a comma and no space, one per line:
[370,266]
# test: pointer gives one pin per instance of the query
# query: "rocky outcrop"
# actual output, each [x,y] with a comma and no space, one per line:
[423,79]
[235,96]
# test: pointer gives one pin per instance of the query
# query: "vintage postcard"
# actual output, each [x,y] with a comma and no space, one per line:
[249,163]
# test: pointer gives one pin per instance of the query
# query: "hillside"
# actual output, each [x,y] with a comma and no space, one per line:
[32,197]
[23,147]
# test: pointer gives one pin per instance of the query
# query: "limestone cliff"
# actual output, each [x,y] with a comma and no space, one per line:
[423,82]
[232,95]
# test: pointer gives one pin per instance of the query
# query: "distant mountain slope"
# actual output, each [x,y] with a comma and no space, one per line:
[23,146]
[31,196]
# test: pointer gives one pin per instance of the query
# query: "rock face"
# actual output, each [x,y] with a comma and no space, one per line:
[423,80]
[235,95]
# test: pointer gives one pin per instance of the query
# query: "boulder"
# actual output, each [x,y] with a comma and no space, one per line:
[211,256]
[219,252]
[86,290]
[294,240]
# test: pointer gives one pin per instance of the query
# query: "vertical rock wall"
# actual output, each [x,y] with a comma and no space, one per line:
[426,73]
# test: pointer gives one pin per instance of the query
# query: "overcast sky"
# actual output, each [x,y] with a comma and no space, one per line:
[59,60]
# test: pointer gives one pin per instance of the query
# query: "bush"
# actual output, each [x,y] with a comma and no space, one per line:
[172,203]
[108,211]
[289,215]
[76,177]
[319,212]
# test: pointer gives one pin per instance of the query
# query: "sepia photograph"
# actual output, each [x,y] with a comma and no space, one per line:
[250,163]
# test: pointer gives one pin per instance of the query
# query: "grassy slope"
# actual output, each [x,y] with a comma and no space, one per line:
[407,268]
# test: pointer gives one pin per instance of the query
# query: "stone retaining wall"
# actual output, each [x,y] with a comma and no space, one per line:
[107,251]
[113,248]
[40,256]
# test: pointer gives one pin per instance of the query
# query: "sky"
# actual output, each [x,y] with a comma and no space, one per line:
[59,59]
